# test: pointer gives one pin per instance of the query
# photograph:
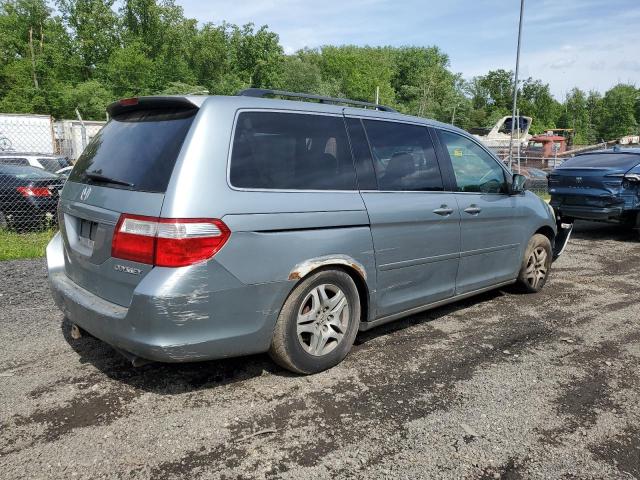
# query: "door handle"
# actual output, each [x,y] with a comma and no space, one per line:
[444,210]
[473,209]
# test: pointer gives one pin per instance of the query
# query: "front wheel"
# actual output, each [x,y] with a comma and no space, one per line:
[536,264]
[317,324]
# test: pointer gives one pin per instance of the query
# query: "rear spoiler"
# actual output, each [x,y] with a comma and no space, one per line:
[149,103]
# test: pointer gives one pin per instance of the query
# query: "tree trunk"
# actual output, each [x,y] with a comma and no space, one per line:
[33,59]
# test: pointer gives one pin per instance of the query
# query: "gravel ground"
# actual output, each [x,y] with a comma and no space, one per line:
[498,386]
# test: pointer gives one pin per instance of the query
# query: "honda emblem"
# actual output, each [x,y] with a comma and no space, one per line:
[86,191]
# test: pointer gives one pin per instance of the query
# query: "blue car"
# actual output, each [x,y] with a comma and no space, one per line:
[195,228]
[601,186]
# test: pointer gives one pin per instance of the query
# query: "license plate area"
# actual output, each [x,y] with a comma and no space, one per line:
[87,233]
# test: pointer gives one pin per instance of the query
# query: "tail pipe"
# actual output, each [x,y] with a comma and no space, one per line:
[135,360]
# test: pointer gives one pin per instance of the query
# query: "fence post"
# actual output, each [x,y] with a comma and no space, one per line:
[83,130]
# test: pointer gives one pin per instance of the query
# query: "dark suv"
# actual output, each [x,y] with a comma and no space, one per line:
[603,186]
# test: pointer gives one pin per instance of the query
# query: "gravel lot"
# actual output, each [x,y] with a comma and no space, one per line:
[498,386]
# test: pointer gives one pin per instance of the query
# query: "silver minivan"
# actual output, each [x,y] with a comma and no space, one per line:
[195,228]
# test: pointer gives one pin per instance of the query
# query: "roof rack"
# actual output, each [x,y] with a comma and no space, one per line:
[262,92]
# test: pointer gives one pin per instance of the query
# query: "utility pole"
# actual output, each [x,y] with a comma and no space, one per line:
[515,85]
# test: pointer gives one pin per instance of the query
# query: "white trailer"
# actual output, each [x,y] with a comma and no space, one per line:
[72,136]
[22,133]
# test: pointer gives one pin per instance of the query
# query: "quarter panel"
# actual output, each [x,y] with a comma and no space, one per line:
[259,256]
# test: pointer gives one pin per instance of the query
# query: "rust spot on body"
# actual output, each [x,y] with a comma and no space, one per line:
[304,268]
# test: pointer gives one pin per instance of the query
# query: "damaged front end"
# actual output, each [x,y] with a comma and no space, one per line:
[565,227]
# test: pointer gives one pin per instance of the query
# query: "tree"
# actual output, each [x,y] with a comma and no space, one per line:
[575,115]
[537,102]
[594,107]
[496,88]
[94,29]
[618,112]
[424,83]
[130,72]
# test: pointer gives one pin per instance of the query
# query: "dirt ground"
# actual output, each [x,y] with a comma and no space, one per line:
[499,386]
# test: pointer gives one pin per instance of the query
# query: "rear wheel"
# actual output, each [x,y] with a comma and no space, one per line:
[317,324]
[535,265]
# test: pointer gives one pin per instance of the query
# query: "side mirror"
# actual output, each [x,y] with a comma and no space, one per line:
[517,183]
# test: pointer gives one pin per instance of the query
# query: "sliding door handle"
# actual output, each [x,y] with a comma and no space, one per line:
[473,210]
[443,210]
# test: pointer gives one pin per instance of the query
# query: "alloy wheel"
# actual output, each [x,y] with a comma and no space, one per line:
[536,270]
[323,319]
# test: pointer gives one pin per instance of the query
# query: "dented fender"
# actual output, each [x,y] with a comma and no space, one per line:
[303,269]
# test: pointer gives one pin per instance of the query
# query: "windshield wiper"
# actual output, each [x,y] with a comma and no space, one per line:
[103,178]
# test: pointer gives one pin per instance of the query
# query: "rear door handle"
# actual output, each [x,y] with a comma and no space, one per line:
[444,210]
[473,210]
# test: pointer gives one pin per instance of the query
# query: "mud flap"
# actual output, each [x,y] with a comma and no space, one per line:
[565,227]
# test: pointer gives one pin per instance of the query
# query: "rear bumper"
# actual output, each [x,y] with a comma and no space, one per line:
[168,327]
[605,214]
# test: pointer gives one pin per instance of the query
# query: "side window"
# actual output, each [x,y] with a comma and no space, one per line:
[14,161]
[475,170]
[291,151]
[403,156]
[361,155]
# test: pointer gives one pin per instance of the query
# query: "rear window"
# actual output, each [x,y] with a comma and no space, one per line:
[623,161]
[14,161]
[31,173]
[139,148]
[291,151]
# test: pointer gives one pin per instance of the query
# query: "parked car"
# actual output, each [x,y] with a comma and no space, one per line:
[536,178]
[28,196]
[48,162]
[603,185]
[64,172]
[196,228]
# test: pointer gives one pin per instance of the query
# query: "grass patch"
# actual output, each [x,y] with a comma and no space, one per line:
[15,245]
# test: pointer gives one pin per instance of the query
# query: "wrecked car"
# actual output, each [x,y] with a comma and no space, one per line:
[602,185]
[196,228]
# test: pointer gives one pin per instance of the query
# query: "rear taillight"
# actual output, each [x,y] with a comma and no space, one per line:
[127,102]
[168,242]
[34,191]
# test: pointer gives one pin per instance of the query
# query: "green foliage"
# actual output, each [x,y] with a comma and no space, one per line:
[56,57]
[618,116]
[14,245]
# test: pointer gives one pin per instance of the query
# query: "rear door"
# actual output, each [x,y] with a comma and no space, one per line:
[125,169]
[491,234]
[414,222]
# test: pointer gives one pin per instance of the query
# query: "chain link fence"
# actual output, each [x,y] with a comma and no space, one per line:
[36,155]
[535,168]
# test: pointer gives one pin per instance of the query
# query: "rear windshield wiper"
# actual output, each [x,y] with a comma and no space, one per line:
[103,178]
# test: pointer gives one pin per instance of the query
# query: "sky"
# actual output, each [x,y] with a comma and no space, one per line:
[566,43]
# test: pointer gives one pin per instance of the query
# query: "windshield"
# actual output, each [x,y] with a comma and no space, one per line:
[138,148]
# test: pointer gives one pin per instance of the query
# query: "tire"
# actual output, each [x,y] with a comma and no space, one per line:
[312,334]
[536,264]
